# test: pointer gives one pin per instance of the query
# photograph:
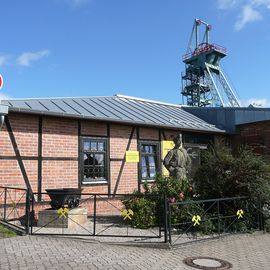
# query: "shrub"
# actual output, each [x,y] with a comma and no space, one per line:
[223,174]
[149,209]
[144,209]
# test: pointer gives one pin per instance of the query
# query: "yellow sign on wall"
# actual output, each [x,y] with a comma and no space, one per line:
[166,147]
[132,156]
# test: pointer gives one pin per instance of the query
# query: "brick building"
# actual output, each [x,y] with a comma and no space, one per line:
[243,126]
[83,142]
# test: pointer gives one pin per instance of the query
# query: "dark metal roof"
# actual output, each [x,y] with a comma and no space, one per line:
[227,118]
[117,108]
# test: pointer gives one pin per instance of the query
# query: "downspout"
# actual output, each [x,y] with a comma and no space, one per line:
[3,112]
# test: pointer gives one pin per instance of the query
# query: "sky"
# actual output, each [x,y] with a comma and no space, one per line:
[66,48]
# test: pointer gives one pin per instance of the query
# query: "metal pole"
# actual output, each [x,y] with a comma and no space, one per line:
[32,211]
[170,227]
[165,219]
[159,214]
[95,214]
[207,34]
[196,33]
[218,218]
[27,211]
[261,225]
[5,204]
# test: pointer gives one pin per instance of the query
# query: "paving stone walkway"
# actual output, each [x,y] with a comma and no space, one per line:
[251,251]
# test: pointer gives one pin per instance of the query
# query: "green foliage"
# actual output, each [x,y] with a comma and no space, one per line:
[223,174]
[171,187]
[149,209]
[144,209]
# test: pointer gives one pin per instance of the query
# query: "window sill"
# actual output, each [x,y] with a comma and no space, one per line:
[147,180]
[94,183]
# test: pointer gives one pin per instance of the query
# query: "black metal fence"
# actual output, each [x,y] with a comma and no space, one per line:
[191,221]
[98,215]
[14,208]
[101,215]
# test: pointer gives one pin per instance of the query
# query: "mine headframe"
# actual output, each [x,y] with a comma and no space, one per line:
[204,83]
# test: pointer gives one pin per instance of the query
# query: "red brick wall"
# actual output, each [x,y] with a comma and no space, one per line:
[149,134]
[5,143]
[60,140]
[93,128]
[59,137]
[128,180]
[59,174]
[25,130]
[256,135]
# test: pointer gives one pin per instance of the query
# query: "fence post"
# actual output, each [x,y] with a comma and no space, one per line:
[27,211]
[165,219]
[218,218]
[95,214]
[261,223]
[5,204]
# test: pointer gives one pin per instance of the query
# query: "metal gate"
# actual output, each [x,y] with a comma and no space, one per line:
[14,208]
[98,215]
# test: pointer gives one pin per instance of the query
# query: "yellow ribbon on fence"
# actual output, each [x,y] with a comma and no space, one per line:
[196,220]
[62,212]
[13,205]
[127,214]
[240,213]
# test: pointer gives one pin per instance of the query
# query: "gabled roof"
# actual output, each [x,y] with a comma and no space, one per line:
[118,108]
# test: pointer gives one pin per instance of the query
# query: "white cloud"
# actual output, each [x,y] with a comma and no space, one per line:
[265,3]
[3,96]
[248,15]
[263,102]
[4,60]
[227,4]
[250,10]
[25,59]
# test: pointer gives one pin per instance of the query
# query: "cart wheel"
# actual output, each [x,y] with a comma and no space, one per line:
[71,203]
[77,202]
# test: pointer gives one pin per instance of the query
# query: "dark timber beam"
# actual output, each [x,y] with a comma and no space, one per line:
[18,155]
[108,157]
[40,121]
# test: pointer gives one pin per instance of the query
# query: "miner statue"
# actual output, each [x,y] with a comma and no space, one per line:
[177,160]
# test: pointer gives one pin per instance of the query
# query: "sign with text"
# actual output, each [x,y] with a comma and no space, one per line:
[194,154]
[166,147]
[132,156]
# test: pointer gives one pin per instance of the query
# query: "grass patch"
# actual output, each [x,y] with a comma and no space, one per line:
[6,232]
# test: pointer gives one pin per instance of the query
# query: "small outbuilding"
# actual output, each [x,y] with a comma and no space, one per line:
[100,144]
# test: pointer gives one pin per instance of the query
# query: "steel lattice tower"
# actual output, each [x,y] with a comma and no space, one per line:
[204,83]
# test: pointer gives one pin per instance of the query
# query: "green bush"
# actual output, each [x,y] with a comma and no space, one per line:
[144,209]
[149,210]
[223,174]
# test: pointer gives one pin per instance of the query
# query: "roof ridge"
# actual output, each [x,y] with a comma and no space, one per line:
[148,100]
[52,98]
